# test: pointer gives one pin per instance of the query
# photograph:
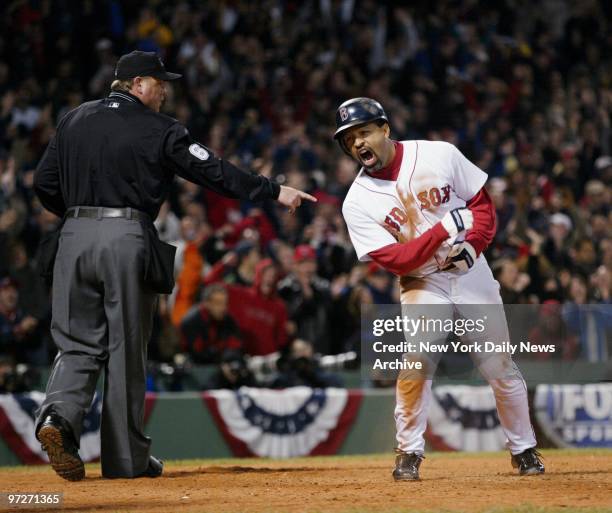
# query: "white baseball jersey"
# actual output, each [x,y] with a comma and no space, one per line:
[434,178]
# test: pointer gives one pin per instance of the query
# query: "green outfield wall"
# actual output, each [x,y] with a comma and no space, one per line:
[182,428]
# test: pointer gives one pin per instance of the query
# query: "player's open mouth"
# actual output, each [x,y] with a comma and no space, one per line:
[368,158]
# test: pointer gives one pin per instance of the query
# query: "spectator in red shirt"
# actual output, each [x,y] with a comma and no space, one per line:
[261,315]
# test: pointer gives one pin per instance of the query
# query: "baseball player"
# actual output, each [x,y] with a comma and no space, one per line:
[419,209]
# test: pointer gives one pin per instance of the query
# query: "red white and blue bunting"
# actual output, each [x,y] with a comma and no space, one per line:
[302,421]
[296,421]
[17,415]
[464,418]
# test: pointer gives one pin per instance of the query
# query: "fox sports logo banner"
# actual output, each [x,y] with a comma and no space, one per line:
[576,415]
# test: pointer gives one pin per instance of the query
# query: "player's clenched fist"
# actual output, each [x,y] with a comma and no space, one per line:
[457,220]
[292,198]
[460,259]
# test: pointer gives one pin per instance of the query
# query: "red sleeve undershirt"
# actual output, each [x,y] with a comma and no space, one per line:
[485,223]
[402,257]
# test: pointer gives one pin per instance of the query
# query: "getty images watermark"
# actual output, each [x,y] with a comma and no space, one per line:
[455,341]
[423,326]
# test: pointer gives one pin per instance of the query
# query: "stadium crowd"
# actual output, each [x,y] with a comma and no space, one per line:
[523,89]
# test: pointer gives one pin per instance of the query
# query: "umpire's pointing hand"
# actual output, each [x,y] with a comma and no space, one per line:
[292,198]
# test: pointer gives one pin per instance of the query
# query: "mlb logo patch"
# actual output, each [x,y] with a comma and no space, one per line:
[114,105]
[344,114]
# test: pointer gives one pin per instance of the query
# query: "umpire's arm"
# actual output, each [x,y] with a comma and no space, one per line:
[196,163]
[47,182]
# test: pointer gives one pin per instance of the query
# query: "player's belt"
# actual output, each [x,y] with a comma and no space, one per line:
[107,212]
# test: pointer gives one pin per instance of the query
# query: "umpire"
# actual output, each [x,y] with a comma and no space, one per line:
[106,173]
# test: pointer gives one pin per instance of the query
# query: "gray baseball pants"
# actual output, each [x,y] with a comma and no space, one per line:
[102,320]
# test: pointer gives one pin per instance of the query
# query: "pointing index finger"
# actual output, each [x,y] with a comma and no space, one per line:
[308,197]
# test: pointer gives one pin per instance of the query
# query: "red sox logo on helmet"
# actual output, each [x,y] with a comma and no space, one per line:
[344,114]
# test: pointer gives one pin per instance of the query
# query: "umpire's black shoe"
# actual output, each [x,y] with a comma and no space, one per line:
[56,438]
[528,462]
[154,469]
[407,466]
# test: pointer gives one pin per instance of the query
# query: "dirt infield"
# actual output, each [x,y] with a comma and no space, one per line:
[574,481]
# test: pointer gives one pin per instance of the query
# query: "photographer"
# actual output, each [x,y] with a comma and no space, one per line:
[233,372]
[299,367]
[17,379]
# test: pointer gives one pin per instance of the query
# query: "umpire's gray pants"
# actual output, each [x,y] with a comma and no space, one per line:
[101,319]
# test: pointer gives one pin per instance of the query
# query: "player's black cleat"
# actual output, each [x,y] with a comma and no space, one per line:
[56,439]
[154,469]
[407,466]
[528,462]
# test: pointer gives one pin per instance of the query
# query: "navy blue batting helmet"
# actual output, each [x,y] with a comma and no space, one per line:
[357,111]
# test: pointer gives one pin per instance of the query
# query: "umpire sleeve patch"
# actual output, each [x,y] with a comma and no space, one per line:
[198,152]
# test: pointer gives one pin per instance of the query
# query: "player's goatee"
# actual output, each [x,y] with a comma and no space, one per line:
[377,165]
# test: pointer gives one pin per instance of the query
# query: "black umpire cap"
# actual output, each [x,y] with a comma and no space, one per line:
[142,64]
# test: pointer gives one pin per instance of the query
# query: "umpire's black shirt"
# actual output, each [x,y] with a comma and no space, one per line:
[117,152]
